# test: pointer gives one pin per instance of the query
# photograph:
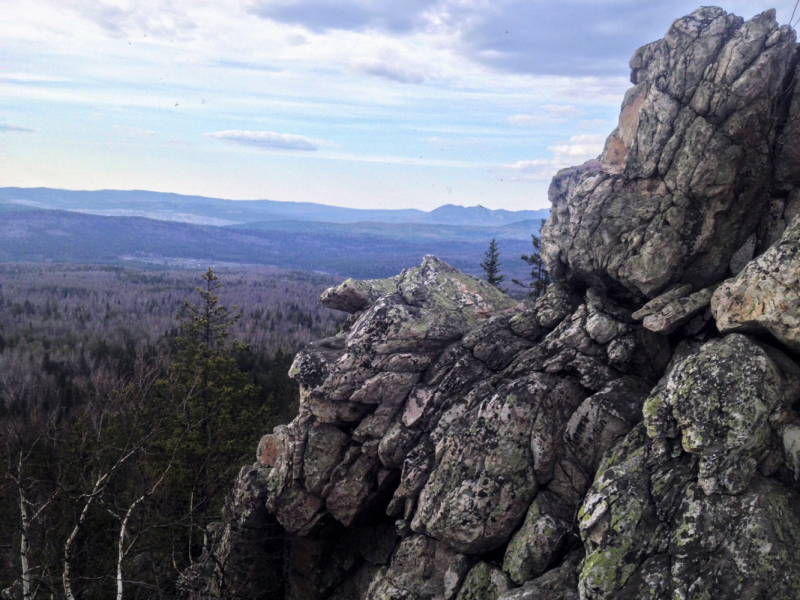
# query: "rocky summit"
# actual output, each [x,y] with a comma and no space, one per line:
[631,434]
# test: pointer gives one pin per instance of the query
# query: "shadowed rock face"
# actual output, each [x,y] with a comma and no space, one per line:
[624,436]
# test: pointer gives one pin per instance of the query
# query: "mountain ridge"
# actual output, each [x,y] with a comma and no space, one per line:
[174,207]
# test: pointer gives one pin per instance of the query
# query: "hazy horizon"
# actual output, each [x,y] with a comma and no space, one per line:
[453,203]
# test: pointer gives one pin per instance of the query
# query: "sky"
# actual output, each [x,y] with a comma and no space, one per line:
[359,103]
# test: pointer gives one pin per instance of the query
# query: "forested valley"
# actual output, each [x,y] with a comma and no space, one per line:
[129,400]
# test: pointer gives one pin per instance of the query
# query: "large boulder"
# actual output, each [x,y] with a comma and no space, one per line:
[485,473]
[454,422]
[680,185]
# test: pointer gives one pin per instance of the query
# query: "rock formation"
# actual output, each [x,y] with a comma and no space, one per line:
[631,434]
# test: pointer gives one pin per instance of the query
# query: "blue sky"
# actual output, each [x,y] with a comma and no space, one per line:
[350,102]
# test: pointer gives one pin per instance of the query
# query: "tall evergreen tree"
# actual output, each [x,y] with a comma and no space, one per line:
[221,417]
[540,278]
[491,265]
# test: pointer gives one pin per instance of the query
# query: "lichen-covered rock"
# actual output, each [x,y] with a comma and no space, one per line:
[680,542]
[765,296]
[679,187]
[560,583]
[719,402]
[617,521]
[545,532]
[679,507]
[337,457]
[484,582]
[484,478]
[421,569]
[603,418]
[239,554]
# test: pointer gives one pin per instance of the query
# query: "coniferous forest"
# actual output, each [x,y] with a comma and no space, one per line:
[129,401]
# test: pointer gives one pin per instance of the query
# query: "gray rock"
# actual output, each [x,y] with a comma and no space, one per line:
[376,543]
[604,418]
[447,427]
[484,582]
[668,312]
[319,566]
[679,504]
[483,480]
[545,532]
[765,295]
[679,187]
[558,584]
[743,255]
[356,586]
[418,570]
[719,401]
[235,556]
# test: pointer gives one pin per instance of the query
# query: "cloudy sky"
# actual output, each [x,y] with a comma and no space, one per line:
[362,103]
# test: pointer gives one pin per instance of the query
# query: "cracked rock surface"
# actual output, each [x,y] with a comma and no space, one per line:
[631,434]
[680,185]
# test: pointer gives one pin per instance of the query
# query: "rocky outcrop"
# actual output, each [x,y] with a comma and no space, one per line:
[633,433]
[680,186]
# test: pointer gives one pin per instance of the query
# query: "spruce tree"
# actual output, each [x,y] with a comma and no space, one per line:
[540,278]
[491,265]
[220,416]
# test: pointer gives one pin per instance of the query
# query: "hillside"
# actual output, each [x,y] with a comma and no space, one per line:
[351,250]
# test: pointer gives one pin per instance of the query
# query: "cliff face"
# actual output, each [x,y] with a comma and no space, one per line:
[633,434]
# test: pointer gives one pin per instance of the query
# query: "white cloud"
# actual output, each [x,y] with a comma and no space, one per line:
[520,36]
[602,124]
[549,113]
[292,68]
[391,71]
[540,169]
[168,20]
[579,147]
[325,15]
[394,64]
[16,128]
[530,165]
[577,150]
[30,78]
[135,132]
[269,139]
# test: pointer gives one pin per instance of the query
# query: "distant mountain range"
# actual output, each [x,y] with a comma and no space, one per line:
[214,211]
[154,230]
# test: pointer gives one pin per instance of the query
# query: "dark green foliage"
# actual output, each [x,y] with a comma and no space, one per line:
[540,278]
[219,415]
[268,374]
[491,265]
